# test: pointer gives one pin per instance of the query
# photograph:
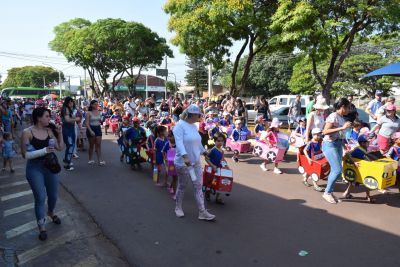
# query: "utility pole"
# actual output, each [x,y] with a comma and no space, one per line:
[59,83]
[84,84]
[44,81]
[166,76]
[209,80]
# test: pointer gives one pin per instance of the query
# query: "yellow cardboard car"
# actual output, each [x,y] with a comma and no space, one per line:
[375,172]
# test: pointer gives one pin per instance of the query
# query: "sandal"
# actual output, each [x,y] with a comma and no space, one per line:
[348,196]
[42,235]
[318,188]
[219,201]
[55,219]
[306,184]
[371,200]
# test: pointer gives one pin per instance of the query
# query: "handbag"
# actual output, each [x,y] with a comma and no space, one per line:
[51,163]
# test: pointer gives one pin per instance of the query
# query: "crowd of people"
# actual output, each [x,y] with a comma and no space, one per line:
[174,135]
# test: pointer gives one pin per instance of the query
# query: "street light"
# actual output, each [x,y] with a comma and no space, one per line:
[59,75]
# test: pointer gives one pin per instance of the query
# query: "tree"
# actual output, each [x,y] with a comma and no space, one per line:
[109,47]
[326,30]
[209,28]
[197,74]
[172,88]
[31,76]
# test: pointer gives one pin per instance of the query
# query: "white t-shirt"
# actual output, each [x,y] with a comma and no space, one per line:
[188,142]
[338,121]
[130,107]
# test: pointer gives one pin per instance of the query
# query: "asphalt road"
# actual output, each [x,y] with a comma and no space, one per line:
[267,220]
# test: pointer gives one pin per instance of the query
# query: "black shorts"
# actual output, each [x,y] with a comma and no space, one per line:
[96,130]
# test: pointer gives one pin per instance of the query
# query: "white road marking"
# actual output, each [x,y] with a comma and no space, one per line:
[13,184]
[90,261]
[18,209]
[15,175]
[29,226]
[16,195]
[44,248]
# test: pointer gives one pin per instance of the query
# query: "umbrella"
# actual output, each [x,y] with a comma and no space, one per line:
[389,70]
[50,96]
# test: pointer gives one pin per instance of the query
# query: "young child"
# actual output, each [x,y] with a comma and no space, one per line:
[150,143]
[169,155]
[214,129]
[394,153]
[165,119]
[214,158]
[203,133]
[355,131]
[122,128]
[301,128]
[272,139]
[359,152]
[134,139]
[159,144]
[260,124]
[226,120]
[313,148]
[9,151]
[235,136]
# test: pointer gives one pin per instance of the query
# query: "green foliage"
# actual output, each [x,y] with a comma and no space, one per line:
[326,30]
[209,28]
[31,76]
[109,46]
[197,74]
[172,87]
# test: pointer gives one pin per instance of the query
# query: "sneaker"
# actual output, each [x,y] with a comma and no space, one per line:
[205,215]
[75,156]
[69,168]
[91,162]
[263,167]
[329,198]
[277,171]
[179,213]
[102,163]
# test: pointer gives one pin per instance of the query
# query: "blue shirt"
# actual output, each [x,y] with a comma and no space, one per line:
[300,130]
[235,135]
[214,131]
[134,134]
[150,141]
[392,153]
[313,148]
[358,153]
[159,145]
[259,128]
[216,156]
[166,121]
[224,122]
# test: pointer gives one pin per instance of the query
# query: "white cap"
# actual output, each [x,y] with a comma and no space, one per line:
[193,109]
[316,131]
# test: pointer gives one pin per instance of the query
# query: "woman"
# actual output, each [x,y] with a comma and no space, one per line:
[34,147]
[240,110]
[187,160]
[332,146]
[177,110]
[262,108]
[316,118]
[142,109]
[164,107]
[387,125]
[68,118]
[93,132]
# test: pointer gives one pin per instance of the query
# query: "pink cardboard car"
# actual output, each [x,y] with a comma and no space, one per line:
[295,140]
[271,153]
[239,146]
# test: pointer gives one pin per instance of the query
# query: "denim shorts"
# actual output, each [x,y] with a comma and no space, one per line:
[96,130]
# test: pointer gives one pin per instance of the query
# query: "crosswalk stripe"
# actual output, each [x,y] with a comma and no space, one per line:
[44,248]
[29,226]
[16,195]
[90,261]
[15,175]
[18,209]
[13,184]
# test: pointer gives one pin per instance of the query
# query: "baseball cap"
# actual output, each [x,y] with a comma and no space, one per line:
[193,109]
[362,138]
[316,131]
[378,92]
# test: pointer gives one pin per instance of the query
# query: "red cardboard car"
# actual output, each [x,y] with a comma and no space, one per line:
[319,169]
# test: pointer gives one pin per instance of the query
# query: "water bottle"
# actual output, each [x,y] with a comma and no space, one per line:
[52,143]
[192,173]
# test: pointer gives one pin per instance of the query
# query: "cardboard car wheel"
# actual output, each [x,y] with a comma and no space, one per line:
[301,169]
[258,151]
[271,156]
[314,177]
[228,148]
[370,182]
[350,175]
[292,140]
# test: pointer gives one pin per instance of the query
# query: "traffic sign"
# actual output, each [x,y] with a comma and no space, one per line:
[162,72]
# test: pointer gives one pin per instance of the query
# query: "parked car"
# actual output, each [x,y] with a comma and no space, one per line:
[281,101]
[282,115]
[251,113]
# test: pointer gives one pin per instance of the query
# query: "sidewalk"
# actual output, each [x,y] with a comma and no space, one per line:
[78,241]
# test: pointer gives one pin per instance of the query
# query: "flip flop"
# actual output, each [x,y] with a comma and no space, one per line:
[55,219]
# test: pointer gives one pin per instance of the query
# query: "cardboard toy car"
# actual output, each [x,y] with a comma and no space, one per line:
[351,144]
[295,140]
[271,153]
[114,125]
[171,171]
[227,129]
[319,169]
[239,146]
[220,181]
[375,172]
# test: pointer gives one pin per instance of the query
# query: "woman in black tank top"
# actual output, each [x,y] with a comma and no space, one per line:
[37,141]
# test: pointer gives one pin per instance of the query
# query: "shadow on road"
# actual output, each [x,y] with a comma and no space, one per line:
[254,228]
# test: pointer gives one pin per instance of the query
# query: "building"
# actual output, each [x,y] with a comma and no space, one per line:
[154,85]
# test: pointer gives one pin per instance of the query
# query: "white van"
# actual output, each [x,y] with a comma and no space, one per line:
[280,101]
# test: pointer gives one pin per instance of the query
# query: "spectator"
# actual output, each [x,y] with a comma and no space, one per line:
[295,109]
[353,114]
[373,107]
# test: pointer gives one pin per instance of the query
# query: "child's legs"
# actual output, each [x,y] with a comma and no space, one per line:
[348,189]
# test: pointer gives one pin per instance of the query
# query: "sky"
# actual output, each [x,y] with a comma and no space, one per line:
[26,27]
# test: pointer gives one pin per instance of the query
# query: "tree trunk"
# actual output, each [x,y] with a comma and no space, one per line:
[247,66]
[233,90]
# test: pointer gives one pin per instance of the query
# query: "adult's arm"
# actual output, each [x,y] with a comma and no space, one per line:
[368,110]
[25,140]
[87,122]
[180,147]
[328,129]
[310,121]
